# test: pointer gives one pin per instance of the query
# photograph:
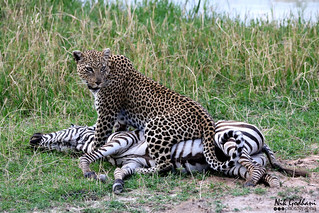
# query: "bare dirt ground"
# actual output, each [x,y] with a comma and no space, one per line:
[296,194]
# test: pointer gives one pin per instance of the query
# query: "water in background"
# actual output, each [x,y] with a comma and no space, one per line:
[271,10]
[245,10]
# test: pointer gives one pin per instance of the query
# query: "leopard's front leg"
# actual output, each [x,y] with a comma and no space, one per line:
[107,117]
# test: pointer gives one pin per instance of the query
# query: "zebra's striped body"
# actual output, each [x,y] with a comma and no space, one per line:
[129,151]
[253,142]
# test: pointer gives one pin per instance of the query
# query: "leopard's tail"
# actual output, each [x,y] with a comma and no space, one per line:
[209,145]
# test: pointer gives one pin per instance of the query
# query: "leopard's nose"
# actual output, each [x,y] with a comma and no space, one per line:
[98,82]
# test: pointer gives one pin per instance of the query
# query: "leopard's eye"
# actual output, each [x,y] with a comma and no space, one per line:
[89,69]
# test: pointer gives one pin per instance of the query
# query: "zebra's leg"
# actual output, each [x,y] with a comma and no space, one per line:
[238,170]
[121,173]
[241,171]
[276,165]
[87,159]
[73,138]
[115,143]
[257,159]
[118,184]
[270,180]
[267,179]
[255,170]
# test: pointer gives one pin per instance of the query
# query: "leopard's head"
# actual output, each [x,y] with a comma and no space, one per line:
[92,67]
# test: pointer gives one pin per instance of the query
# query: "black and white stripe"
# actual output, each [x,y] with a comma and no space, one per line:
[242,152]
[74,138]
[129,152]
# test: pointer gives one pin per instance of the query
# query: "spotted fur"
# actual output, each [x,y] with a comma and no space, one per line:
[166,117]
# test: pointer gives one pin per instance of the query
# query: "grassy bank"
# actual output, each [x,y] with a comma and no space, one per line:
[263,73]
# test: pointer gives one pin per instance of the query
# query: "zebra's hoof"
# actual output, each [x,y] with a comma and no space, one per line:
[90,175]
[35,139]
[249,184]
[274,185]
[102,178]
[118,186]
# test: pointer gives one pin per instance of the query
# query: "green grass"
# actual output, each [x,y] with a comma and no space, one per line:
[264,73]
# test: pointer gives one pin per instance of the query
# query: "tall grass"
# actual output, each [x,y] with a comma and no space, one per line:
[210,54]
[262,73]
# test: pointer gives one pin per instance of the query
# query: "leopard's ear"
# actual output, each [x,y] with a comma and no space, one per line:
[77,55]
[107,53]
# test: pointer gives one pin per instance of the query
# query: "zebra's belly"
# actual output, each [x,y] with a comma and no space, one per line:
[187,155]
[187,167]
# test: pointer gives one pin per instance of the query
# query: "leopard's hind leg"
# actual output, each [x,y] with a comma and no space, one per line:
[161,134]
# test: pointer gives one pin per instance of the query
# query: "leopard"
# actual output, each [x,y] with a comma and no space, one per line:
[123,94]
